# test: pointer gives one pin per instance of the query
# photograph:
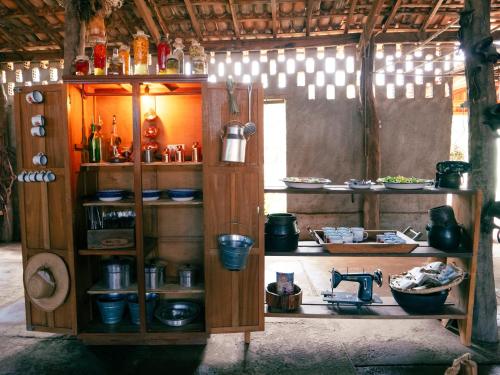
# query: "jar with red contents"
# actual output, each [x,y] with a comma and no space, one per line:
[81,65]
[163,50]
[100,57]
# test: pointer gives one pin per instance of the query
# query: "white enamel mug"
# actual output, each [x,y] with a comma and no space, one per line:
[359,234]
[39,176]
[38,120]
[20,176]
[34,97]
[40,159]
[49,176]
[38,131]
[32,176]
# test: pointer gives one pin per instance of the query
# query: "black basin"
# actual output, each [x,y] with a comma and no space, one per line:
[421,303]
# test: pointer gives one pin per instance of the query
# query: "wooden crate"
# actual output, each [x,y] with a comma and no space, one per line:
[110,238]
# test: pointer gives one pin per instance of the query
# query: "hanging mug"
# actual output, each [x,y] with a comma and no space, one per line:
[34,97]
[39,176]
[49,176]
[20,176]
[38,120]
[40,159]
[32,176]
[38,131]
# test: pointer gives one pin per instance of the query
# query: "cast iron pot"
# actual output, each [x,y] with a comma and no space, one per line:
[450,180]
[444,237]
[421,303]
[442,215]
[282,232]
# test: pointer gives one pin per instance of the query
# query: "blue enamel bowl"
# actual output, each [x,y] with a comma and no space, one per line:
[183,194]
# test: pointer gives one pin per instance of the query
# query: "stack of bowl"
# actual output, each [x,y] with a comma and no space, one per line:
[110,195]
[151,195]
[181,195]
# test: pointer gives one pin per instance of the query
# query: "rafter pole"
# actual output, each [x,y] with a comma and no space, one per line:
[147,17]
[159,17]
[8,38]
[431,15]
[235,19]
[352,8]
[194,21]
[391,15]
[370,24]
[310,8]
[275,20]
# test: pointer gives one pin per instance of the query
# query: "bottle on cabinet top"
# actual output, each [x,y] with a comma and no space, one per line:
[163,51]
[198,58]
[94,144]
[115,141]
[115,66]
[179,54]
[141,50]
[124,52]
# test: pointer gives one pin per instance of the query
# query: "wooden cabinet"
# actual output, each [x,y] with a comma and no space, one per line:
[180,233]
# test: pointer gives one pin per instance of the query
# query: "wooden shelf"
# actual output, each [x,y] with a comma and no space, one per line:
[377,189]
[121,203]
[169,289]
[128,79]
[196,166]
[388,310]
[130,203]
[196,326]
[107,165]
[125,326]
[149,245]
[311,248]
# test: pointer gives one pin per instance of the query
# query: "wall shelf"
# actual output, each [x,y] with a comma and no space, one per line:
[377,189]
[149,245]
[170,289]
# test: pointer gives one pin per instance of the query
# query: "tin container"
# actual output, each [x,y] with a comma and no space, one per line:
[186,276]
[116,274]
[111,307]
[148,156]
[153,274]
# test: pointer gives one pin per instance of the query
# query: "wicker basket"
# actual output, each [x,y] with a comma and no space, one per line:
[285,303]
[393,285]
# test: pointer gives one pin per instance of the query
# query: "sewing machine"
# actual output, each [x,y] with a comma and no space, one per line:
[365,294]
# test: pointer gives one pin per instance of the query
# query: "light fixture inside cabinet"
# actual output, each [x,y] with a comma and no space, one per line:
[149,103]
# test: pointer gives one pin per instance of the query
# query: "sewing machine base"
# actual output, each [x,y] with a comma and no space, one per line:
[346,298]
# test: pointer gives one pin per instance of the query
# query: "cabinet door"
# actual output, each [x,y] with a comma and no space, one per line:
[233,203]
[46,208]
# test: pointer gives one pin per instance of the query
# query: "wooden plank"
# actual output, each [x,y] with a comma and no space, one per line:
[170,289]
[350,16]
[377,189]
[392,14]
[194,19]
[147,17]
[195,79]
[274,19]
[369,26]
[310,8]
[435,8]
[236,24]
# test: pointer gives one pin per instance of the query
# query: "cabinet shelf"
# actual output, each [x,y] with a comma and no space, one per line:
[168,289]
[196,326]
[377,189]
[125,326]
[188,165]
[130,203]
[311,248]
[149,245]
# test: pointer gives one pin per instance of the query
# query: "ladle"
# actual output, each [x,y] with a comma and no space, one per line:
[250,127]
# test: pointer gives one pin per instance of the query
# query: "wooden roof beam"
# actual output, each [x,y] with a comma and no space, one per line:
[370,23]
[311,5]
[348,21]
[235,19]
[390,17]
[159,17]
[431,15]
[275,20]
[194,20]
[147,17]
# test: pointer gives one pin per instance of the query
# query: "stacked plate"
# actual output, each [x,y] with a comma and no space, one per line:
[110,195]
[151,195]
[181,195]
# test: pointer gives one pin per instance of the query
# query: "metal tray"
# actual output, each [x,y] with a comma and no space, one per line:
[369,245]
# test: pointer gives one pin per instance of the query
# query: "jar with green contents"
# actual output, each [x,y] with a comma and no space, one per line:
[198,59]
[172,65]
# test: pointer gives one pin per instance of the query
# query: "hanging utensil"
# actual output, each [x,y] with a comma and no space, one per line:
[233,105]
[250,127]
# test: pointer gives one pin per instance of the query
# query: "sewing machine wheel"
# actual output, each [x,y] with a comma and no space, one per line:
[377,276]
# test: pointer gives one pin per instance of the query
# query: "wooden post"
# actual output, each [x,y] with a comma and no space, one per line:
[71,36]
[371,202]
[473,34]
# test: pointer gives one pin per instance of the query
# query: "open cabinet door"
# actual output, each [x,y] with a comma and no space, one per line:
[46,207]
[233,196]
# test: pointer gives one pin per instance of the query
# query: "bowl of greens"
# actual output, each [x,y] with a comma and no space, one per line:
[404,183]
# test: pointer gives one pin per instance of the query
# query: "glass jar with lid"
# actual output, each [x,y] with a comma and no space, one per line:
[198,58]
[115,66]
[82,65]
[100,57]
[124,53]
[172,65]
[163,51]
[179,54]
[141,50]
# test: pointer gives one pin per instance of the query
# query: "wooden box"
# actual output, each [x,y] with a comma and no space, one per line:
[110,238]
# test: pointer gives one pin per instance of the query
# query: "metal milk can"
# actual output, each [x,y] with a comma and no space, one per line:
[234,142]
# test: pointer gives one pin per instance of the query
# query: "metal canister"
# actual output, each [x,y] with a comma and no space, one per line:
[116,274]
[148,156]
[179,154]
[165,155]
[195,152]
[234,142]
[186,276]
[153,274]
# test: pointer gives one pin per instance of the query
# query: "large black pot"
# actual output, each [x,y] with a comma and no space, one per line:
[281,232]
[421,303]
[444,238]
[442,215]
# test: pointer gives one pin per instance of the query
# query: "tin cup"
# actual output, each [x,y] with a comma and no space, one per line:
[32,176]
[359,234]
[40,159]
[38,120]
[20,176]
[49,176]
[39,176]
[34,97]
[26,176]
[38,131]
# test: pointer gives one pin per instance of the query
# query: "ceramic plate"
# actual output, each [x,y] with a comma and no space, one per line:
[183,199]
[392,185]
[306,182]
[110,199]
[146,199]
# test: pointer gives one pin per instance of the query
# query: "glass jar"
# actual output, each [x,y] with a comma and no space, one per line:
[179,54]
[198,59]
[100,57]
[141,50]
[172,65]
[163,50]
[82,65]
[124,53]
[115,66]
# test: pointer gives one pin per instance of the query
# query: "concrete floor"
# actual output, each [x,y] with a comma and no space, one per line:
[298,346]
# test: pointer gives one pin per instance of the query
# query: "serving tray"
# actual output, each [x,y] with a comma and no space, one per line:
[370,245]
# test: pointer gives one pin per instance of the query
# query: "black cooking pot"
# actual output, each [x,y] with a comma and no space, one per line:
[450,180]
[281,232]
[421,303]
[444,238]
[442,215]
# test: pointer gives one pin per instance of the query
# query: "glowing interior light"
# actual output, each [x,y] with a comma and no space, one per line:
[212,57]
[237,68]
[246,57]
[187,68]
[380,78]
[263,56]
[255,68]
[400,78]
[340,52]
[300,54]
[19,75]
[379,53]
[282,80]
[264,81]
[330,64]
[220,69]
[330,92]
[398,53]
[228,57]
[320,53]
[428,65]
[410,91]
[281,55]
[340,78]
[446,90]
[310,65]
[419,76]
[389,63]
[212,78]
[418,53]
[438,79]
[351,91]
[272,67]
[246,78]
[349,64]
[429,90]
[390,91]
[301,79]
[290,66]
[311,92]
[320,79]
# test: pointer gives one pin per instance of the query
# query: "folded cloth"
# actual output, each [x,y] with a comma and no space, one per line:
[431,275]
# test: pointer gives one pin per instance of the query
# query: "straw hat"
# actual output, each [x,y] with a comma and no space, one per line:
[46,281]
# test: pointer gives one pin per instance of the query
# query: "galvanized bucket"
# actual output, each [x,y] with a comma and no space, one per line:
[133,306]
[111,307]
[233,250]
